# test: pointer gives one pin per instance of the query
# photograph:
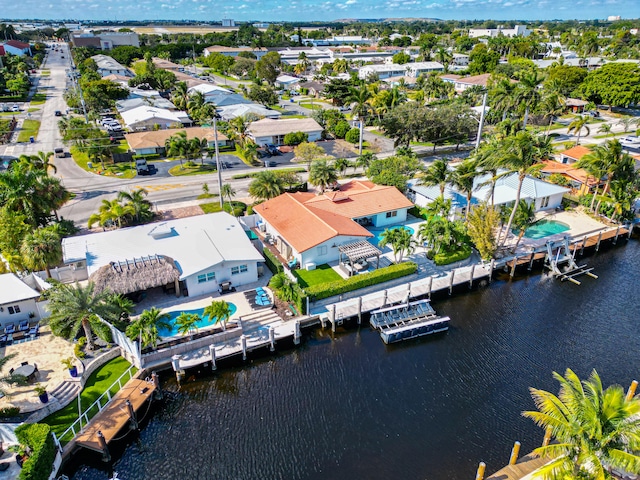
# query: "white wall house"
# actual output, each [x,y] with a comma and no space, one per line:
[147,117]
[517,31]
[206,249]
[273,131]
[108,66]
[395,70]
[15,47]
[17,301]
[310,227]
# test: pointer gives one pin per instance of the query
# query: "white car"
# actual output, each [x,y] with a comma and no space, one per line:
[15,108]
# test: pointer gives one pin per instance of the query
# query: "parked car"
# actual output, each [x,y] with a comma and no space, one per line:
[15,108]
[270,163]
[57,113]
[592,113]
[271,149]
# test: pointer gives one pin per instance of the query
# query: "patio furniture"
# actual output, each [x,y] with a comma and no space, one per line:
[261,291]
[27,371]
[34,331]
[23,326]
[3,340]
[225,287]
[10,328]
[292,264]
[263,301]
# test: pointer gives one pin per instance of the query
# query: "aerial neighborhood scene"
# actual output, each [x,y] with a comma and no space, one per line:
[277,240]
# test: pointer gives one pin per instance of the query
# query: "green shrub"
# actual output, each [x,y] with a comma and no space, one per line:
[325,290]
[8,412]
[190,164]
[238,208]
[78,350]
[353,136]
[445,258]
[341,128]
[37,436]
[418,212]
[272,262]
[146,156]
[295,138]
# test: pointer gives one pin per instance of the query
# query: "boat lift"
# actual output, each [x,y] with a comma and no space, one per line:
[564,255]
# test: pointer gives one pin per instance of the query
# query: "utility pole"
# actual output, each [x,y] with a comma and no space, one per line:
[215,138]
[360,143]
[481,123]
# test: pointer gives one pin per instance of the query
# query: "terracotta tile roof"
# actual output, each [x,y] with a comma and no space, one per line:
[578,174]
[305,220]
[17,44]
[304,227]
[157,138]
[576,152]
[2,52]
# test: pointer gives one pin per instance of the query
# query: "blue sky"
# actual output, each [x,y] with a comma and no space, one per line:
[298,10]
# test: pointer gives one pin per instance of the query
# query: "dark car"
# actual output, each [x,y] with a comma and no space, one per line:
[262,153]
[58,113]
[270,163]
[271,149]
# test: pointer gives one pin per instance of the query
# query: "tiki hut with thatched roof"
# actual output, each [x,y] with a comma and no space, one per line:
[138,274]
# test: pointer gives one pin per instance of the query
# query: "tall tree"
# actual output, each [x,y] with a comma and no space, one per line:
[527,94]
[322,174]
[437,174]
[525,218]
[577,125]
[42,249]
[147,326]
[266,185]
[596,429]
[218,311]
[462,178]
[138,203]
[400,240]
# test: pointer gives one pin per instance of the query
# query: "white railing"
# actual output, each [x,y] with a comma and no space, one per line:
[84,416]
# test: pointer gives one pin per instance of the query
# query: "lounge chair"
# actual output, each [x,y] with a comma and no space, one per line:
[23,326]
[34,331]
[10,328]
[292,264]
[263,301]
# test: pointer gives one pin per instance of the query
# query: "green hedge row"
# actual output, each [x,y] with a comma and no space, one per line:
[445,258]
[38,437]
[418,212]
[329,289]
[272,262]
[146,156]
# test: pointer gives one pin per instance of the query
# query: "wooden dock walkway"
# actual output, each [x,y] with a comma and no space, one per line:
[522,470]
[115,416]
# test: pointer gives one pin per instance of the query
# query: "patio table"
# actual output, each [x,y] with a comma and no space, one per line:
[25,370]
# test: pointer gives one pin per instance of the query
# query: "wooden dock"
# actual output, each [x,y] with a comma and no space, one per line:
[521,470]
[115,416]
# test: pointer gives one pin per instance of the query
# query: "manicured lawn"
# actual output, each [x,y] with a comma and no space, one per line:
[121,170]
[12,98]
[445,258]
[311,106]
[277,171]
[31,110]
[45,73]
[96,385]
[39,99]
[29,129]
[238,207]
[322,274]
[198,169]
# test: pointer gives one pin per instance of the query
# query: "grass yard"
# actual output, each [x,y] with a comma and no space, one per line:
[238,208]
[39,99]
[311,106]
[96,385]
[120,170]
[45,73]
[183,171]
[322,274]
[29,129]
[31,110]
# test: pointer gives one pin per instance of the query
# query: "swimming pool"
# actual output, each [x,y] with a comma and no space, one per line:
[202,323]
[377,232]
[544,228]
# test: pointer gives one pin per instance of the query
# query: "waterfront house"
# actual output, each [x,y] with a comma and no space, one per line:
[192,255]
[147,117]
[580,181]
[311,228]
[395,70]
[545,195]
[268,130]
[153,141]
[17,301]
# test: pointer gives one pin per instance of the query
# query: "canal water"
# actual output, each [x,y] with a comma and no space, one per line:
[346,406]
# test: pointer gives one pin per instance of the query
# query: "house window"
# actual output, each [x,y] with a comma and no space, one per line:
[392,214]
[322,250]
[239,269]
[14,309]
[206,277]
[545,202]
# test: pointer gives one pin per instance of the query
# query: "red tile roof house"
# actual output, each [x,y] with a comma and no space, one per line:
[15,47]
[310,227]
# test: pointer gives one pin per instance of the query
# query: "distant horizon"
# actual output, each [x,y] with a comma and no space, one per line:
[272,11]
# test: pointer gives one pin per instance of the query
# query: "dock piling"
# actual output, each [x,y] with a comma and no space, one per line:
[480,473]
[243,342]
[408,293]
[632,390]
[430,285]
[599,239]
[473,269]
[155,378]
[212,353]
[515,451]
[106,456]
[384,299]
[531,259]
[615,239]
[630,230]
[584,244]
[453,273]
[492,266]
[359,310]
[133,421]
[175,363]
[513,267]
[333,318]
[272,339]
[297,334]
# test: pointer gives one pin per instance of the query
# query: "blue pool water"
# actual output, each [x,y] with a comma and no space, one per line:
[544,228]
[378,232]
[204,320]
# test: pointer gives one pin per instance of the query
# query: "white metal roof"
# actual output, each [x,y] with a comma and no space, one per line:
[144,113]
[240,110]
[206,88]
[195,243]
[12,289]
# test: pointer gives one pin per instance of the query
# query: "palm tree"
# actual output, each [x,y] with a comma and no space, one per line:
[41,249]
[527,95]
[187,323]
[266,185]
[147,326]
[285,288]
[525,218]
[360,96]
[400,240]
[180,96]
[502,96]
[228,191]
[596,430]
[75,307]
[625,122]
[322,174]
[177,145]
[140,206]
[41,161]
[111,211]
[437,174]
[605,128]
[364,160]
[519,155]
[341,165]
[577,125]
[220,311]
[462,178]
